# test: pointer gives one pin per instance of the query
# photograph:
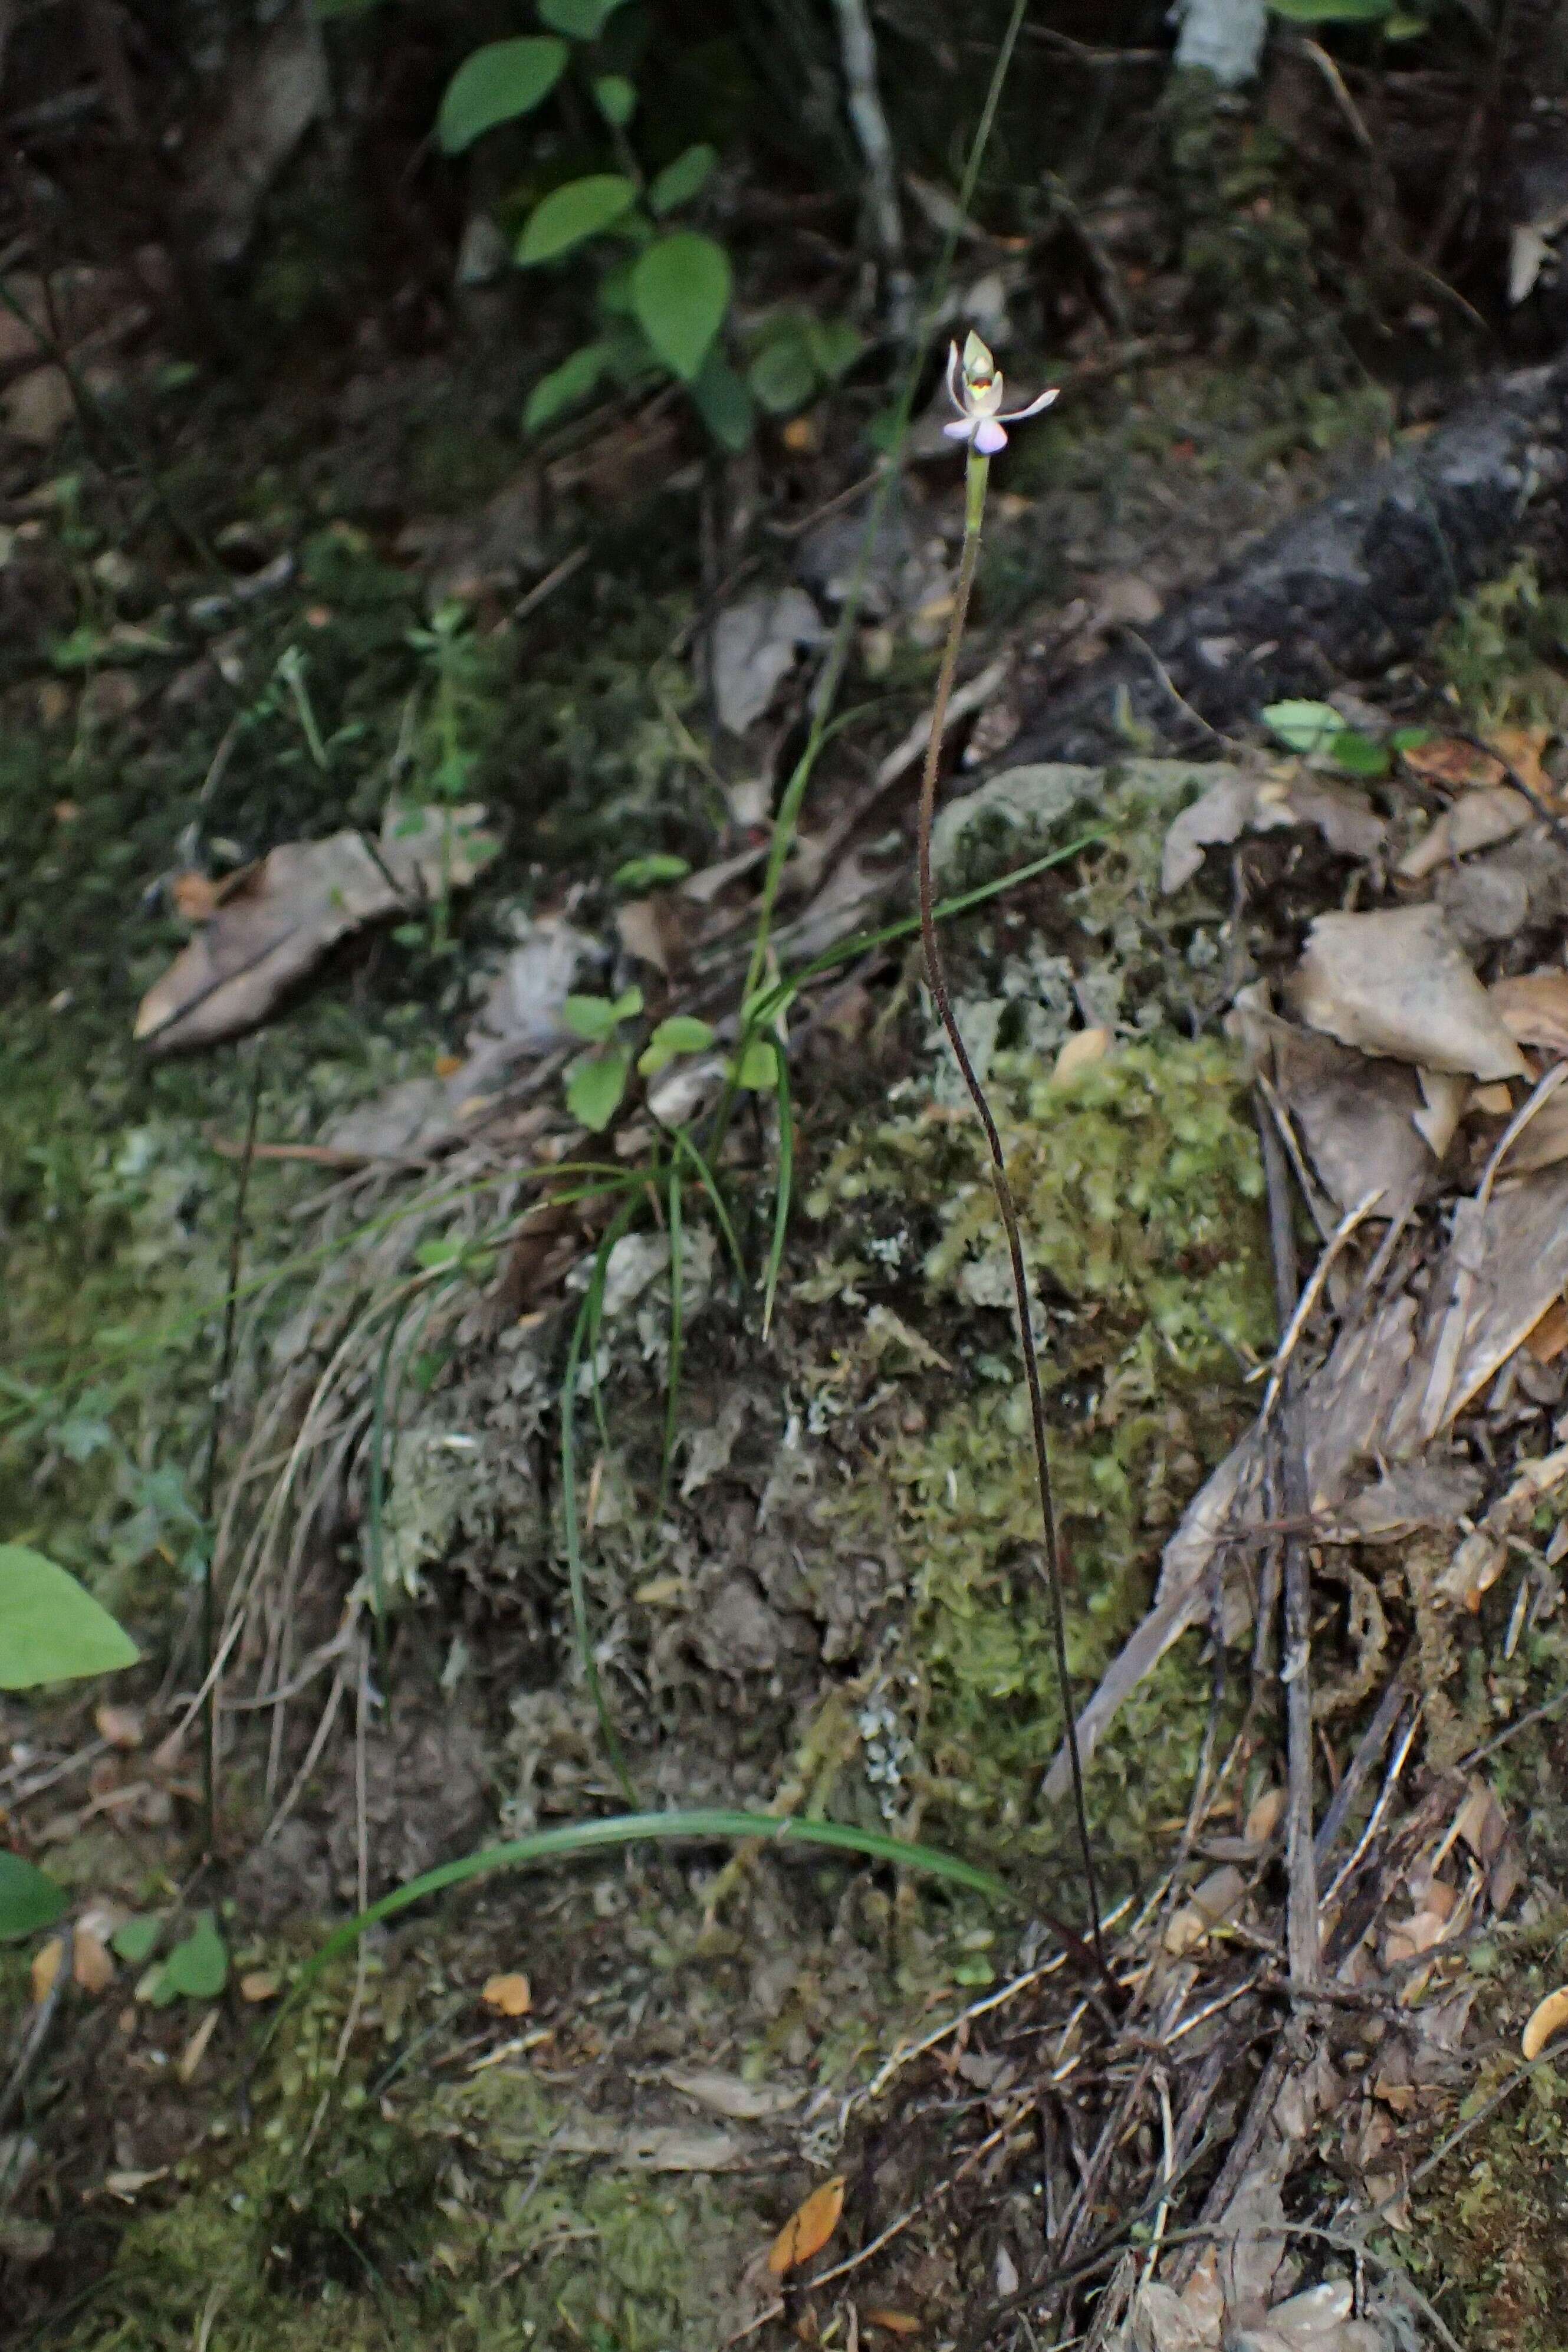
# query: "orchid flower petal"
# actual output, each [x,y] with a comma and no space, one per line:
[1016,415]
[963,428]
[954,394]
[988,436]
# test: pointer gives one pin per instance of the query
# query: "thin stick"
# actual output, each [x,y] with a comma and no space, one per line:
[210,1474]
[857,46]
[1301,1859]
[974,518]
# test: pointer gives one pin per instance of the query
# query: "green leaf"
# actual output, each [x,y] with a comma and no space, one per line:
[723,403]
[583,19]
[29,1900]
[758,1068]
[594,1018]
[595,1084]
[1332,12]
[1403,27]
[783,376]
[616,98]
[197,1969]
[571,214]
[1409,739]
[50,1628]
[565,387]
[680,292]
[679,181]
[683,1033]
[1303,726]
[498,82]
[647,873]
[1357,754]
[834,345]
[136,1939]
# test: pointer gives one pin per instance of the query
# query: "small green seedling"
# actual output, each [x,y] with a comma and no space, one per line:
[683,1033]
[197,1969]
[596,1081]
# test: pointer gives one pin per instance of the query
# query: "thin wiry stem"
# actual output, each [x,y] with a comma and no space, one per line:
[210,1472]
[978,470]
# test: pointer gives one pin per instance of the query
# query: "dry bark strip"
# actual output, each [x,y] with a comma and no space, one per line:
[1339,592]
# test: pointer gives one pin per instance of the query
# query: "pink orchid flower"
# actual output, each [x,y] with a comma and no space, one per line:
[974,389]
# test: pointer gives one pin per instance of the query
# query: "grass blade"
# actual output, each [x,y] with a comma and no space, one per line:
[700,1826]
[673,1373]
[782,1196]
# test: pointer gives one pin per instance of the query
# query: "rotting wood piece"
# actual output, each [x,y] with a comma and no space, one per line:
[1341,591]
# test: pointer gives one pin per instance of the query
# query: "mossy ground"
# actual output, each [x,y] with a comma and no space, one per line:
[1139,1188]
[406,2212]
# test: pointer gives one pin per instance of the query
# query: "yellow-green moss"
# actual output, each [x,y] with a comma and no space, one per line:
[1139,1191]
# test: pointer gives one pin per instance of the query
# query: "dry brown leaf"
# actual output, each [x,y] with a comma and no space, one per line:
[45,1967]
[1397,982]
[259,1984]
[897,2323]
[731,2095]
[1522,747]
[1264,1817]
[1546,2019]
[808,2228]
[1452,765]
[1534,1009]
[1550,1336]
[1543,1143]
[1209,1906]
[92,1966]
[1356,1118]
[1480,820]
[285,911]
[1287,795]
[512,1995]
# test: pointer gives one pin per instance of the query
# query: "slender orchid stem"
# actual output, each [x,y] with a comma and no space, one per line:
[980,466]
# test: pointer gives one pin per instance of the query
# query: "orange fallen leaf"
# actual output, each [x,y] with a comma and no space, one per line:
[808,2228]
[1548,1338]
[1448,761]
[897,2323]
[448,1065]
[511,1995]
[1549,2017]
[45,1968]
[1522,747]
[258,1984]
